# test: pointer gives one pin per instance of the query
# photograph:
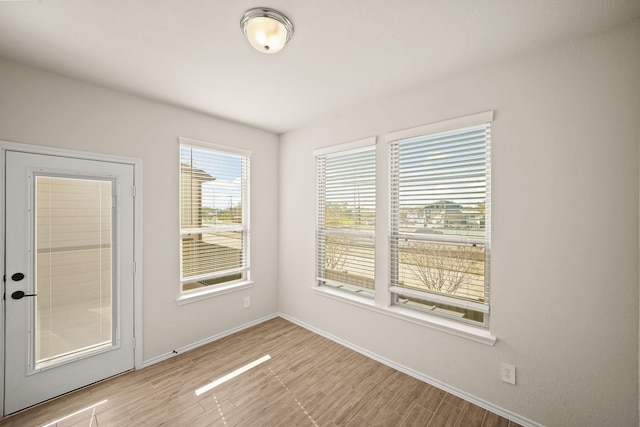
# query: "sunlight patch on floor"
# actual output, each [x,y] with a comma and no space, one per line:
[92,407]
[232,375]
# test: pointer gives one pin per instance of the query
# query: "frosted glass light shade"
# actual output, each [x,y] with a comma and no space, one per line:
[266,29]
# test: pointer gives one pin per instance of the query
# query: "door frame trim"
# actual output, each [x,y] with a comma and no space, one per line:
[137,237]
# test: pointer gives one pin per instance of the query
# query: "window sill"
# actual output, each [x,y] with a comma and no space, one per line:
[214,291]
[452,327]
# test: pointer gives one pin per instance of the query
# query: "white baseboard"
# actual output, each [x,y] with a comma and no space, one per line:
[213,338]
[415,374]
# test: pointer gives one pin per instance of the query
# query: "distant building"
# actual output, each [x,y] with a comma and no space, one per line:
[445,214]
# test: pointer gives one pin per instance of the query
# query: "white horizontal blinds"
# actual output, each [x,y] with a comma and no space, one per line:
[320,216]
[346,219]
[442,183]
[440,221]
[350,193]
[213,216]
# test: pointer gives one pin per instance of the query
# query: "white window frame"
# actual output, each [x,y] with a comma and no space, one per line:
[396,138]
[382,303]
[322,232]
[187,296]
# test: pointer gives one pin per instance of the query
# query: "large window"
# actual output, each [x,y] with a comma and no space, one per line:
[440,219]
[214,214]
[345,232]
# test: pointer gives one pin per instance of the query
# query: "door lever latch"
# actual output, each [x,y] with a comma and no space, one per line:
[21,294]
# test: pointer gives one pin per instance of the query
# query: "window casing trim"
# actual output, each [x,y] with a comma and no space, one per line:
[345,147]
[442,126]
[218,148]
[464,330]
[200,294]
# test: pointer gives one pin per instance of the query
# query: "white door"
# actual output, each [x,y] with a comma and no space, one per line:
[69,275]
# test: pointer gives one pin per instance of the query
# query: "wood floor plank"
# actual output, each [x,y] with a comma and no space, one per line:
[446,416]
[417,416]
[431,398]
[356,421]
[454,400]
[494,420]
[308,381]
[114,416]
[411,390]
[339,409]
[471,416]
[376,404]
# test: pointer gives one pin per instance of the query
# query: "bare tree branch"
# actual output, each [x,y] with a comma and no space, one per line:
[441,267]
[336,251]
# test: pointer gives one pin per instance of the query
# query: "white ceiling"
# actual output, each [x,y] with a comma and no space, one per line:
[192,53]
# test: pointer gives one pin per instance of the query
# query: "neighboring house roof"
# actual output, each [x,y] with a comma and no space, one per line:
[196,173]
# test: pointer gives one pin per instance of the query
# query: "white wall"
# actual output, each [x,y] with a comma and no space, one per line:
[41,108]
[565,220]
[565,232]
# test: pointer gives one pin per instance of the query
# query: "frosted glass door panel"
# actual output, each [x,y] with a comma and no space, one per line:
[74,268]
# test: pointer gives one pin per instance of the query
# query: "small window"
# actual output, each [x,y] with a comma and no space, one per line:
[440,222]
[214,214]
[346,202]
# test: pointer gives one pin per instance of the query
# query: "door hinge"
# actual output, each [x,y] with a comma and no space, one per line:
[134,267]
[114,201]
[134,343]
[133,191]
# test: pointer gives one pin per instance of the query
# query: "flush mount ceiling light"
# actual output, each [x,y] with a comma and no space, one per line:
[266,29]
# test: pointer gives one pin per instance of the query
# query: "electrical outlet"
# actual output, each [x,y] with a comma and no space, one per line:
[508,373]
[247,302]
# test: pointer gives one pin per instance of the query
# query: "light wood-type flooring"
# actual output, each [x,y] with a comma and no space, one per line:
[308,381]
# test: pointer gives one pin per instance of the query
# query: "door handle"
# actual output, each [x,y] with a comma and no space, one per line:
[21,294]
